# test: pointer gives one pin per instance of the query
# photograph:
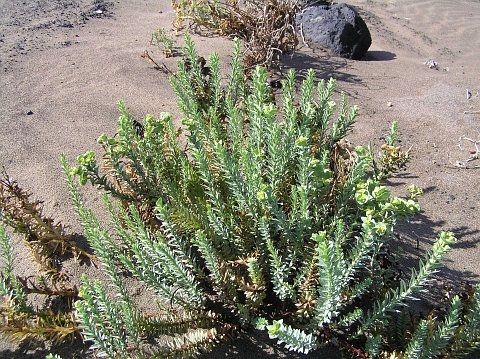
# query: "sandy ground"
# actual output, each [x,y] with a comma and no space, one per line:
[63,67]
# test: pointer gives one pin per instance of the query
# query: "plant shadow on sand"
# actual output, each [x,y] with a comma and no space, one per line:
[415,236]
[68,350]
[379,56]
[246,345]
[257,345]
[324,66]
[418,235]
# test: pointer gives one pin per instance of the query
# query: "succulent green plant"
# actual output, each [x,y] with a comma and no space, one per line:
[164,42]
[267,219]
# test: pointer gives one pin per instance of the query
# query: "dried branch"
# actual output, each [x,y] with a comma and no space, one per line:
[266,27]
[47,240]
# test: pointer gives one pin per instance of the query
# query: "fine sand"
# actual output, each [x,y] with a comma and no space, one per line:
[65,64]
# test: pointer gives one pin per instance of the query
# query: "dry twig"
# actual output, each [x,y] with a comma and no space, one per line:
[265,26]
[162,67]
[303,37]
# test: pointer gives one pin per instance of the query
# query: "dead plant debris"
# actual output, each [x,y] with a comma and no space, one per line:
[266,27]
[47,240]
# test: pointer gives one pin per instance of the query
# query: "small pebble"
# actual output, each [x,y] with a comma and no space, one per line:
[29,113]
[389,104]
[431,64]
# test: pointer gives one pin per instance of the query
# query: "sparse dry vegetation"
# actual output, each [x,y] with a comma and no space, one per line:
[19,317]
[47,240]
[265,26]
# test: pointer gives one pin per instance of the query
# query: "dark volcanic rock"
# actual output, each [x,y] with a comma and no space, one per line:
[336,27]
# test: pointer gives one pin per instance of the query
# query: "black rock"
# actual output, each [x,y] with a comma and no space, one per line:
[338,28]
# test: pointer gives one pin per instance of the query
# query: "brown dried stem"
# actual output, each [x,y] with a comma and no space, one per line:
[47,240]
[266,27]
[37,325]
